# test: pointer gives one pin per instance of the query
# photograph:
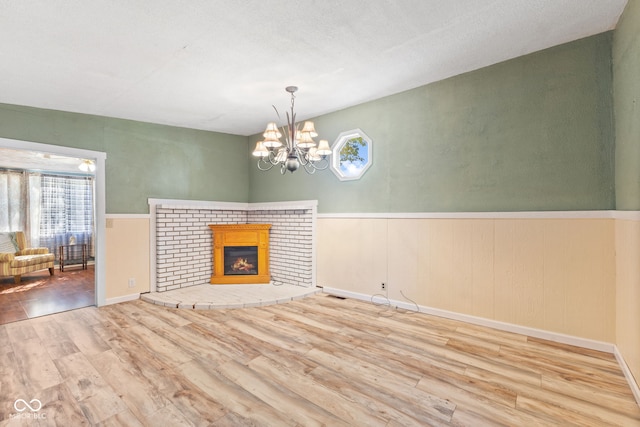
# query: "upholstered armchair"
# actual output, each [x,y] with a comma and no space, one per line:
[22,259]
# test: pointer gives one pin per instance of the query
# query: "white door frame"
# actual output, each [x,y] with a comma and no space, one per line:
[99,157]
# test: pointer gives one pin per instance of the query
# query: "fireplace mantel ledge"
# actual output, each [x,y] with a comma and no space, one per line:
[232,206]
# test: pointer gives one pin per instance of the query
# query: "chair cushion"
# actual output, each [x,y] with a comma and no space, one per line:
[27,260]
[8,243]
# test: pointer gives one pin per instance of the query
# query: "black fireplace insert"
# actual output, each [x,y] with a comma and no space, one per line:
[240,260]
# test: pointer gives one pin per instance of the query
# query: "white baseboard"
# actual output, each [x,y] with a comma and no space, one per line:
[635,389]
[124,298]
[481,321]
[502,326]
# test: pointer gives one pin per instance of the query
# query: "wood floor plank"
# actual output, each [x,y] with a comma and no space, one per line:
[80,376]
[370,399]
[11,383]
[489,390]
[475,401]
[315,361]
[234,397]
[278,395]
[302,318]
[54,337]
[302,384]
[124,418]
[536,406]
[260,334]
[572,349]
[612,400]
[386,386]
[164,349]
[423,331]
[81,334]
[532,397]
[578,367]
[59,408]
[169,416]
[413,357]
[35,364]
[491,335]
[101,404]
[465,357]
[143,313]
[19,331]
[142,398]
[196,406]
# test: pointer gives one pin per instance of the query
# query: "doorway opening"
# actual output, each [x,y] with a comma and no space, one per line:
[83,282]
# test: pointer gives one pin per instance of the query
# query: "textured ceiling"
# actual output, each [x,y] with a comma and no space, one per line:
[220,64]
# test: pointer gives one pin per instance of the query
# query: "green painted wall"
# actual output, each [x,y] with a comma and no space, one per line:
[532,133]
[143,160]
[626,85]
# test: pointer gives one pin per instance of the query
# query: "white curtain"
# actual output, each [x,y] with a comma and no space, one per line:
[52,210]
[20,203]
[66,212]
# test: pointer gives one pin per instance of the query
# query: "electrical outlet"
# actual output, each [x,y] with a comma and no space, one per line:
[383,286]
[132,283]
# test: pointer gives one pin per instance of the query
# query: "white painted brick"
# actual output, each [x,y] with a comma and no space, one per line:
[184,255]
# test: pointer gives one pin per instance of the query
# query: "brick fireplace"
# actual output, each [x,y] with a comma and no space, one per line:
[182,240]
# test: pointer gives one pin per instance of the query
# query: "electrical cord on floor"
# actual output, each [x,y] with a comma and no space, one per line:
[386,303]
[389,310]
[417,310]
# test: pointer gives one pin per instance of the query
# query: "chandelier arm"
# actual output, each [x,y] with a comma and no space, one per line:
[273,157]
[276,110]
[309,168]
[303,158]
[324,163]
[262,161]
[320,165]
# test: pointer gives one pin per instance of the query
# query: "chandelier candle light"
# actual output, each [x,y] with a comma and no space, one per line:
[299,147]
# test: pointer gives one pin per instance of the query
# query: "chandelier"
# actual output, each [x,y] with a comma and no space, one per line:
[299,148]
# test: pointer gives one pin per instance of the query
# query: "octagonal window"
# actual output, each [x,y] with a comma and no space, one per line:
[352,155]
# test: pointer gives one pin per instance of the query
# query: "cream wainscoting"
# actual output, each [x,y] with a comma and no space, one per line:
[572,277]
[552,274]
[627,241]
[128,257]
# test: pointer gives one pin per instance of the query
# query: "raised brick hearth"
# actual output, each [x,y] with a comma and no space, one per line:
[183,239]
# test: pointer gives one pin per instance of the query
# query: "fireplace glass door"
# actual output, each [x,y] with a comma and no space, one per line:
[240,260]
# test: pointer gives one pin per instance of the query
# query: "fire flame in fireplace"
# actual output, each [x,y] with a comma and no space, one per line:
[242,264]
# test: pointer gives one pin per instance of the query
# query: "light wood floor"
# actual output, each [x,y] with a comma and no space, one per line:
[315,361]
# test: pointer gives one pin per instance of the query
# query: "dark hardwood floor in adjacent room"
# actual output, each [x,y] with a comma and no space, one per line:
[40,294]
